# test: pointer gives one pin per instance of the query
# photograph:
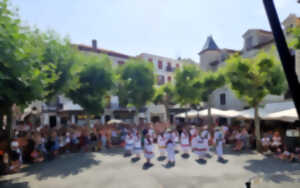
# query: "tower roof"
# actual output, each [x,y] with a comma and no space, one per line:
[210,44]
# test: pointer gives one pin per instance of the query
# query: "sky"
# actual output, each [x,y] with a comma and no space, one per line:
[171,28]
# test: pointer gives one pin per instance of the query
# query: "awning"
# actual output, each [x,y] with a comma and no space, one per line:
[266,110]
[214,112]
[285,115]
[189,114]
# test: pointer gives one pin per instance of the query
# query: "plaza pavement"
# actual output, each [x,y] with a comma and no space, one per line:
[111,170]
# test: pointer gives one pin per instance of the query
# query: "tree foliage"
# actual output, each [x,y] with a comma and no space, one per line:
[253,79]
[58,54]
[95,80]
[165,95]
[22,77]
[295,43]
[136,82]
[186,87]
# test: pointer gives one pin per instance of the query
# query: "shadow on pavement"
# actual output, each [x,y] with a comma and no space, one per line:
[12,184]
[275,170]
[63,166]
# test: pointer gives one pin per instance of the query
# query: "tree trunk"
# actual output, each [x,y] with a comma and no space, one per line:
[167,112]
[257,127]
[186,116]
[210,120]
[1,120]
[9,122]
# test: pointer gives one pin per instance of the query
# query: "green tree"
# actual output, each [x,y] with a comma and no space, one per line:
[207,84]
[136,83]
[295,42]
[253,79]
[22,77]
[165,95]
[61,56]
[95,81]
[187,90]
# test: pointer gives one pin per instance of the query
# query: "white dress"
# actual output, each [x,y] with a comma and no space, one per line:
[148,149]
[129,141]
[218,139]
[171,150]
[199,147]
[175,139]
[137,145]
[185,142]
[161,142]
[205,136]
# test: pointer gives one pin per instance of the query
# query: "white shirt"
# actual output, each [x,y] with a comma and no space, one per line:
[161,141]
[184,138]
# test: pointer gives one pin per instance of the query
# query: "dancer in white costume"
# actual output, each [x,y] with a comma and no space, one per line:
[206,136]
[161,142]
[137,145]
[170,146]
[148,150]
[199,148]
[185,142]
[175,138]
[218,140]
[129,143]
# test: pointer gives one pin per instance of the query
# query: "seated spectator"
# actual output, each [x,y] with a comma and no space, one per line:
[276,142]
[286,155]
[265,142]
[238,141]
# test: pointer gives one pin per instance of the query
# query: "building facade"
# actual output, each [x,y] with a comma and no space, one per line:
[255,40]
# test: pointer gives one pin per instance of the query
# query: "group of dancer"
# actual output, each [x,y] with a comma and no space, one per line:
[169,141]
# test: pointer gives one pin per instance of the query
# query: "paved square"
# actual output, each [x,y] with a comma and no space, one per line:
[112,170]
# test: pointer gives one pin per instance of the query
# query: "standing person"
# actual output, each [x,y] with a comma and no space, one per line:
[148,151]
[129,144]
[206,137]
[175,137]
[185,143]
[161,142]
[170,147]
[137,146]
[218,139]
[199,148]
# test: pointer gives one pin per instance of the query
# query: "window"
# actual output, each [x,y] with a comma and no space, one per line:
[160,64]
[160,80]
[223,99]
[169,79]
[169,67]
[121,62]
[150,60]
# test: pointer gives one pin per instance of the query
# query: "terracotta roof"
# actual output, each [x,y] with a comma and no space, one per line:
[83,47]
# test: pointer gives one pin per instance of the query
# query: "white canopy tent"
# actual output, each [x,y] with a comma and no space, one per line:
[214,112]
[285,115]
[266,110]
[286,110]
[189,114]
